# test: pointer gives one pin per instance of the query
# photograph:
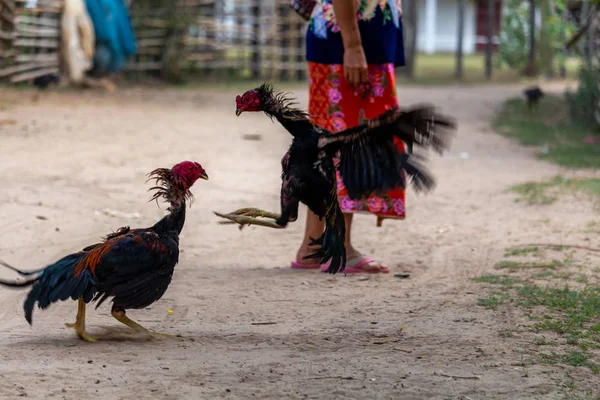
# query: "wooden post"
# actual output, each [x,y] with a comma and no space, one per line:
[459,42]
[255,40]
[489,34]
[283,9]
[410,36]
[300,63]
[239,41]
[531,67]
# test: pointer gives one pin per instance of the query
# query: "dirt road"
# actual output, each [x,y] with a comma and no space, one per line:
[71,158]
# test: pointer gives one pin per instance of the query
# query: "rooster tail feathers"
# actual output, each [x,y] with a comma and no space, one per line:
[20,272]
[422,180]
[331,242]
[19,284]
[57,281]
[26,283]
[421,124]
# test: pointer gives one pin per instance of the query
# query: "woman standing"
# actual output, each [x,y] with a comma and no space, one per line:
[352,48]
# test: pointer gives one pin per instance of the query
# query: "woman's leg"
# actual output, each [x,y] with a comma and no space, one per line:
[353,256]
[314,229]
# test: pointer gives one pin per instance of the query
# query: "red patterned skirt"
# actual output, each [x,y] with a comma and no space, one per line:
[335,105]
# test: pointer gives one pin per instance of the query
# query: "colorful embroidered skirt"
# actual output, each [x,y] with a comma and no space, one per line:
[335,105]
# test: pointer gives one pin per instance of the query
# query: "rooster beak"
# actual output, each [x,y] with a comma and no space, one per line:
[238,112]
[204,176]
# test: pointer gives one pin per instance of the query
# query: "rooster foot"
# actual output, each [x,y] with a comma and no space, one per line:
[250,216]
[79,324]
[254,213]
[160,335]
[80,330]
[120,316]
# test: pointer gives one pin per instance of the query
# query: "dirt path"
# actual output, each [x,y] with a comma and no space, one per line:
[69,156]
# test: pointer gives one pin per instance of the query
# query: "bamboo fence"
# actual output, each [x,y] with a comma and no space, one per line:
[218,39]
[29,39]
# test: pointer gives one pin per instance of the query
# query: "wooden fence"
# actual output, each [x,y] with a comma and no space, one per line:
[29,39]
[198,38]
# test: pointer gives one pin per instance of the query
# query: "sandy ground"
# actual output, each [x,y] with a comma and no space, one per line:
[70,156]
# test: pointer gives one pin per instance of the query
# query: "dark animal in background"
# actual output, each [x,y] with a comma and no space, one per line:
[133,266]
[369,163]
[533,95]
[42,82]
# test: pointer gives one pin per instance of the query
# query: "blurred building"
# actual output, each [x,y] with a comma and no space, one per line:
[438,25]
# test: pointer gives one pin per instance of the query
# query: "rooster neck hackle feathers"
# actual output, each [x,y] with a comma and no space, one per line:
[170,187]
[279,104]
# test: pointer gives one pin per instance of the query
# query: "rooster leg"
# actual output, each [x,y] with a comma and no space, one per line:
[120,316]
[79,324]
[255,212]
[244,220]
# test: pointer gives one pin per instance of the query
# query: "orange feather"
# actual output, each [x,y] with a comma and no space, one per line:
[92,258]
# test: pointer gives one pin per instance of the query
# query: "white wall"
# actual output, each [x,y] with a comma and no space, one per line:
[446,26]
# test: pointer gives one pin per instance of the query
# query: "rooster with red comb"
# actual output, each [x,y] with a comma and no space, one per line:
[133,266]
[369,163]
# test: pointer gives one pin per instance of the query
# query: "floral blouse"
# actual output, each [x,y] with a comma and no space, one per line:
[380,24]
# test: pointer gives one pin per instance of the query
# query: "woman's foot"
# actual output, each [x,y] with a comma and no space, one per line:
[357,263]
[309,263]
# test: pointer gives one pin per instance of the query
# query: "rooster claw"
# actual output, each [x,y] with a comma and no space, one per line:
[248,216]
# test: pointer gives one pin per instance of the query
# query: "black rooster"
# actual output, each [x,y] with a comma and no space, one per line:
[369,163]
[134,266]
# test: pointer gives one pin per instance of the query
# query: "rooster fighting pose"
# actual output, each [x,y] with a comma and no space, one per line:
[133,266]
[369,163]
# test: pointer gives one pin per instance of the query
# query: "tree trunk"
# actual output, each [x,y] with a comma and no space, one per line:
[531,67]
[459,42]
[489,33]
[562,66]
[409,20]
[590,39]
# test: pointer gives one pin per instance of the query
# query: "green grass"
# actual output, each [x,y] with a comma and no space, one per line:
[430,69]
[549,126]
[568,308]
[493,300]
[521,265]
[497,279]
[572,358]
[522,251]
[547,192]
[593,227]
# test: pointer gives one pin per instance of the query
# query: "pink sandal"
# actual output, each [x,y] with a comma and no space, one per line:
[355,266]
[297,265]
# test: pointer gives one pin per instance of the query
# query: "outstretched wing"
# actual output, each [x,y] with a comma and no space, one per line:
[370,163]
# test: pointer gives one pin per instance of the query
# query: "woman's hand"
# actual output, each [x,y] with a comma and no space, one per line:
[355,62]
[355,65]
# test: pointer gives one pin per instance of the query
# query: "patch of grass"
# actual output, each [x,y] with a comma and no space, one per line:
[497,279]
[493,300]
[522,251]
[572,358]
[544,342]
[593,227]
[519,265]
[507,334]
[533,193]
[572,313]
[546,192]
[542,275]
[549,126]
